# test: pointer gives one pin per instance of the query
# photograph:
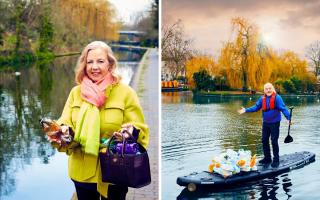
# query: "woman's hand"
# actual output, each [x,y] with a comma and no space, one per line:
[118,136]
[63,137]
[242,110]
[126,131]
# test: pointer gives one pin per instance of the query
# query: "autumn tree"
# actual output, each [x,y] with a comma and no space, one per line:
[198,63]
[244,59]
[247,62]
[244,47]
[313,54]
[79,21]
[293,65]
[229,62]
[176,49]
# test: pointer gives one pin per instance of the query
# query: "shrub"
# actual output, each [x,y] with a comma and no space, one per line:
[203,81]
[289,86]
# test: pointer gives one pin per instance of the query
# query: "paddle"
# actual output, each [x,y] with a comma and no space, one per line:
[289,139]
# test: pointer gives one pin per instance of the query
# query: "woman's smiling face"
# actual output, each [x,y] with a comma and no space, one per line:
[97,64]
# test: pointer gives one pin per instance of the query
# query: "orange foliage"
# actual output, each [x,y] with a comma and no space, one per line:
[91,19]
[248,62]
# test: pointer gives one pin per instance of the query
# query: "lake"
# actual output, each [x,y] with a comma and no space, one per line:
[29,167]
[194,130]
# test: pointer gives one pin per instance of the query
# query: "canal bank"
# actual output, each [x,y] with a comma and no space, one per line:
[146,83]
[246,94]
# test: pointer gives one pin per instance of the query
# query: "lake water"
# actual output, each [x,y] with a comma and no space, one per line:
[29,167]
[194,130]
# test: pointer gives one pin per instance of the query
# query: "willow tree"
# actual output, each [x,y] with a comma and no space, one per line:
[245,59]
[78,21]
[245,47]
[230,63]
[260,70]
[294,65]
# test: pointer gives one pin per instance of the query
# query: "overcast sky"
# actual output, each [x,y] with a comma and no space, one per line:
[126,9]
[284,24]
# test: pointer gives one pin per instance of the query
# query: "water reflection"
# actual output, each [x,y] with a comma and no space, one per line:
[194,129]
[128,55]
[20,140]
[40,90]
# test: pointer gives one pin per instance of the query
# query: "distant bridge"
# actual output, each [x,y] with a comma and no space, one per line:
[128,47]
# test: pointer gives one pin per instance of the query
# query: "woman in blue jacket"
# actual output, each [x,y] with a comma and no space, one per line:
[272,105]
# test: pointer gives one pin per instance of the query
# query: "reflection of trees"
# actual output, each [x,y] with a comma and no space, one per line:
[45,76]
[20,139]
[23,101]
[128,55]
[176,97]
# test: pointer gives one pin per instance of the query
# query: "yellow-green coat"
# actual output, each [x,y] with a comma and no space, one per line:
[122,106]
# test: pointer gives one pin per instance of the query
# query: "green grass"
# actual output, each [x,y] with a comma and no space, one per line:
[225,92]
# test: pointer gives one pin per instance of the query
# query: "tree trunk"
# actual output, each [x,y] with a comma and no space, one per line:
[18,28]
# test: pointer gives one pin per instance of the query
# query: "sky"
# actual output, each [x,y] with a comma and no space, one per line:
[126,9]
[284,24]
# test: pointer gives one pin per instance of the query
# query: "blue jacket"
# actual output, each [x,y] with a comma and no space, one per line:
[271,116]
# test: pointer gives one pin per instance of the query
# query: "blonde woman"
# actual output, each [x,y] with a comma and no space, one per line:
[272,105]
[98,107]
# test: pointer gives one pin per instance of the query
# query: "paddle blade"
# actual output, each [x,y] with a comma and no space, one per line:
[288,139]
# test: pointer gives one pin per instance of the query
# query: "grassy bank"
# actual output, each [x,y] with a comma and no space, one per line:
[13,60]
[240,93]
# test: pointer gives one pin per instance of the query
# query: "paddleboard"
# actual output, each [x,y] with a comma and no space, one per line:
[206,179]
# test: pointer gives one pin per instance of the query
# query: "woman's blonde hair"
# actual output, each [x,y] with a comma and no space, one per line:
[80,70]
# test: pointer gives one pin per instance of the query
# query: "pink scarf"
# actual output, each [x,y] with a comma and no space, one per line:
[94,93]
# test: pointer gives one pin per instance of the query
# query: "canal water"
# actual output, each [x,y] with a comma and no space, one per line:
[29,167]
[194,130]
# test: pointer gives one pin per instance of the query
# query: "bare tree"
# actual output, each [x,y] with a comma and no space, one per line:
[313,54]
[176,50]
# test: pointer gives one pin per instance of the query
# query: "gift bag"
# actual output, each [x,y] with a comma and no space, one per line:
[131,170]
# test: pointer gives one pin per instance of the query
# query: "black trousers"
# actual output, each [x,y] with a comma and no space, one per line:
[88,191]
[270,130]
